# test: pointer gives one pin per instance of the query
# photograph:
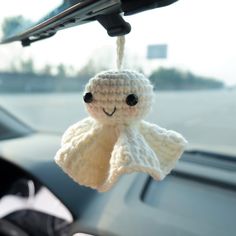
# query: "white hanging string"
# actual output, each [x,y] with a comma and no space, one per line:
[120,47]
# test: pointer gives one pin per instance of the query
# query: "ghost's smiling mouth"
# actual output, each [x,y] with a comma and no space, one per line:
[109,114]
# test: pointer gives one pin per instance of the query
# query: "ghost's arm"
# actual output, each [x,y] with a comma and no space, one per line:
[78,129]
[85,151]
[75,140]
[168,145]
[149,149]
[131,153]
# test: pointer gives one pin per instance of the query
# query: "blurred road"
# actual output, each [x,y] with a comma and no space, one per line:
[206,118]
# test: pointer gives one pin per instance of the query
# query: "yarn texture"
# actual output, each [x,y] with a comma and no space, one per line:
[116,140]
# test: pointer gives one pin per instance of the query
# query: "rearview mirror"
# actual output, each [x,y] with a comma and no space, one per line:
[62,14]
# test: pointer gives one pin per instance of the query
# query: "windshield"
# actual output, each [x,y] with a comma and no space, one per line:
[186,49]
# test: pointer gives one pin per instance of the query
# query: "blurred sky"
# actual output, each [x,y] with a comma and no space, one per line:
[200,34]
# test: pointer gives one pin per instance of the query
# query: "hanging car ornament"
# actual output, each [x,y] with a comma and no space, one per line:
[115,140]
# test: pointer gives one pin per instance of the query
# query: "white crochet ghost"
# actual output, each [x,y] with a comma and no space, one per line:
[115,140]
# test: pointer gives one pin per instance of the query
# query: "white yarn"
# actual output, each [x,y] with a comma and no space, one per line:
[110,89]
[97,150]
[120,47]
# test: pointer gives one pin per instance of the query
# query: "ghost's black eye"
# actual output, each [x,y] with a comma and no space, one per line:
[88,97]
[132,99]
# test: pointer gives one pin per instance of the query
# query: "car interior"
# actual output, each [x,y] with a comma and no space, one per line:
[37,198]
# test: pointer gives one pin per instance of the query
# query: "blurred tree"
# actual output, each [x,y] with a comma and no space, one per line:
[47,70]
[13,67]
[174,79]
[13,25]
[27,66]
[88,70]
[61,71]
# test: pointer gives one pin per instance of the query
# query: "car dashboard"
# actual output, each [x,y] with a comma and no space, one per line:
[197,198]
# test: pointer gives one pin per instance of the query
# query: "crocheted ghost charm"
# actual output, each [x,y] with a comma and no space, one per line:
[115,140]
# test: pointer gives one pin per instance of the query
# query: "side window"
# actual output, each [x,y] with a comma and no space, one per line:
[10,127]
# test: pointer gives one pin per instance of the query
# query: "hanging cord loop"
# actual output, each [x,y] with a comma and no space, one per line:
[120,47]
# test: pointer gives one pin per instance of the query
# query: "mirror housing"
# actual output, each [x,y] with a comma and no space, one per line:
[106,12]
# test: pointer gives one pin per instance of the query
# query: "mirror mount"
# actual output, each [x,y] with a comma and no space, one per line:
[27,41]
[114,24]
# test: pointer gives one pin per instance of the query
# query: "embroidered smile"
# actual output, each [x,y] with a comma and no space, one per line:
[109,114]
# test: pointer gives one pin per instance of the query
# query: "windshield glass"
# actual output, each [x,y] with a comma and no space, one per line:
[19,18]
[186,49]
